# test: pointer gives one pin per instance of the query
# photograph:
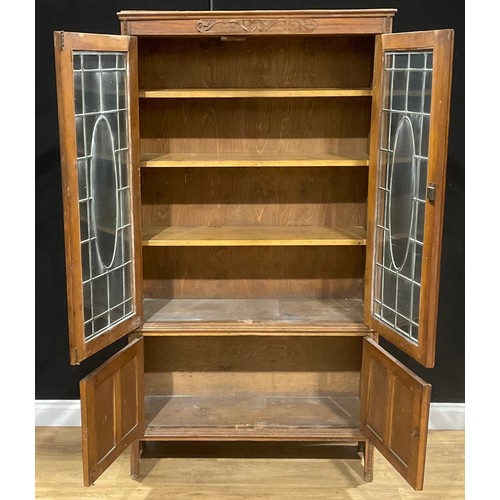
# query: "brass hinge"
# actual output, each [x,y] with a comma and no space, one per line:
[61,40]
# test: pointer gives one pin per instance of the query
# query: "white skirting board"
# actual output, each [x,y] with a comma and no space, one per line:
[53,412]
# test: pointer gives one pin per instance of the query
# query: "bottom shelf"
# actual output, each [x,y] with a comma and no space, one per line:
[253,418]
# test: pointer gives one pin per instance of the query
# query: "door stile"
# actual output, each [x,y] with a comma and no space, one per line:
[438,152]
[68,154]
[370,279]
[89,452]
[117,408]
[135,159]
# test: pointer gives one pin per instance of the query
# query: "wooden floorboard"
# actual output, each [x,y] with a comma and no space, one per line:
[251,471]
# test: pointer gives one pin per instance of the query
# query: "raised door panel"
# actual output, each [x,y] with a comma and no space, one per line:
[394,409]
[112,409]
[408,153]
[98,123]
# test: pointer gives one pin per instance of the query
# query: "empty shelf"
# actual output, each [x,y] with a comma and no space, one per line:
[241,417]
[224,93]
[207,317]
[173,160]
[253,236]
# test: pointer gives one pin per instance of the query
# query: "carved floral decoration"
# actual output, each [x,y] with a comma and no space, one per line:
[252,25]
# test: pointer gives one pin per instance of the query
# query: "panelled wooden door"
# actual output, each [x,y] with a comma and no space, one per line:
[112,409]
[394,411]
[410,114]
[97,94]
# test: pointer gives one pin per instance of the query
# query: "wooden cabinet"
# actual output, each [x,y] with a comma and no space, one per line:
[254,197]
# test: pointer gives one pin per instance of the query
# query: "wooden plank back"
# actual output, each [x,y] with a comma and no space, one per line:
[284,126]
[270,62]
[246,365]
[254,272]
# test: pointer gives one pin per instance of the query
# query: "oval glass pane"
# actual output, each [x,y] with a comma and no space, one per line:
[401,192]
[103,184]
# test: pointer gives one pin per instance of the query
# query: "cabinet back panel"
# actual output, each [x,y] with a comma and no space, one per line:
[342,61]
[272,365]
[254,272]
[256,125]
[255,196]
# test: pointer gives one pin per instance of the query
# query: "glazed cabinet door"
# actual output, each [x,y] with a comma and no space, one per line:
[112,409]
[98,124]
[406,188]
[395,412]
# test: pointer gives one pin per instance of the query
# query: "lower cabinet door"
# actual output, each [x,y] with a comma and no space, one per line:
[395,411]
[112,399]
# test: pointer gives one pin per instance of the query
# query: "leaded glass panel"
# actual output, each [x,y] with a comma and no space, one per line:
[101,119]
[402,177]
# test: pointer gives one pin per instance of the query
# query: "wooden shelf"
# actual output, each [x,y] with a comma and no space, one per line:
[214,317]
[255,160]
[252,418]
[203,236]
[201,93]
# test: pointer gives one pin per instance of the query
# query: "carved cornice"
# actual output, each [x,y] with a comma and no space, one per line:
[259,25]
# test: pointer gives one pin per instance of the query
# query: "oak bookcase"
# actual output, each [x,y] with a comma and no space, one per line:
[253,197]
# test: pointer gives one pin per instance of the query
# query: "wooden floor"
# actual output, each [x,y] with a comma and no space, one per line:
[243,471]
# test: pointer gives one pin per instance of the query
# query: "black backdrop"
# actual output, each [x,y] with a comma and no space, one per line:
[55,378]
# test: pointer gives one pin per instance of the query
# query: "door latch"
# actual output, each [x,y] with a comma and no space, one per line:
[431,192]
